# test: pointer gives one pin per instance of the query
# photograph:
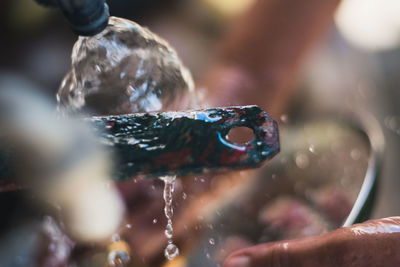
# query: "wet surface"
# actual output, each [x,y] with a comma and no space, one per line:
[177,143]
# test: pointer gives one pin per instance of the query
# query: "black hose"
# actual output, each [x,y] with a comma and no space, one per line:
[86,17]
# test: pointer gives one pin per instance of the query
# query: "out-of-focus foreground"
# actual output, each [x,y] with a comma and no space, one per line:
[350,73]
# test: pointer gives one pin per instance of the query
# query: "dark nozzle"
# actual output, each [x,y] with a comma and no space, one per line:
[86,17]
[47,3]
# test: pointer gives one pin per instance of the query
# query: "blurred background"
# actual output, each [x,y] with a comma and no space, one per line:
[353,67]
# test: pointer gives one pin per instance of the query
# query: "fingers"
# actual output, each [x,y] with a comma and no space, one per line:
[280,254]
[373,243]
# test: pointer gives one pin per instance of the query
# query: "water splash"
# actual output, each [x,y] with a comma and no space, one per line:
[127,69]
[124,69]
[171,251]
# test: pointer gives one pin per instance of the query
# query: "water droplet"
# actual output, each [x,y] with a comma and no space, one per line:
[129,226]
[184,195]
[311,148]
[302,160]
[169,231]
[154,221]
[284,118]
[171,251]
[118,258]
[211,241]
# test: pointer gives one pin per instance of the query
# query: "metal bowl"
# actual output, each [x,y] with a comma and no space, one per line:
[269,206]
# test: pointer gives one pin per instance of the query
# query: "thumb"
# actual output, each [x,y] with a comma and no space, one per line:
[373,243]
[266,255]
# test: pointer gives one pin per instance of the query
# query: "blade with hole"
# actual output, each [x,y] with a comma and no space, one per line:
[187,142]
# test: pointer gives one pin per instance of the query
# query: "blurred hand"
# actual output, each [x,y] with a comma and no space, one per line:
[373,243]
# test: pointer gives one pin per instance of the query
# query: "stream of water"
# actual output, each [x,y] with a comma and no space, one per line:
[127,69]
[171,251]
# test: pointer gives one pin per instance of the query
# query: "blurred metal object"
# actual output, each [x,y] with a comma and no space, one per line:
[170,143]
[362,208]
[87,17]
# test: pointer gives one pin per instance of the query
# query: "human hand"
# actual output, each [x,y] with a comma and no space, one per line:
[373,243]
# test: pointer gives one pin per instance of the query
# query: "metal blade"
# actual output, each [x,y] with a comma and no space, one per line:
[187,142]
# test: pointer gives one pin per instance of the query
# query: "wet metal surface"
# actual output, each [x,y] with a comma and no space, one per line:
[170,143]
[175,143]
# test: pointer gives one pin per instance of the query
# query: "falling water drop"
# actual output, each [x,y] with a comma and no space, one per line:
[171,251]
[169,230]
[211,241]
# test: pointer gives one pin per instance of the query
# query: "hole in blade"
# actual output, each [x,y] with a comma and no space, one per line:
[240,135]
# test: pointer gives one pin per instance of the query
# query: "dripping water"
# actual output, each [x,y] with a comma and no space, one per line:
[171,251]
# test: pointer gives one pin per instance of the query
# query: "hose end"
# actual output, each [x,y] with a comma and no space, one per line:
[94,24]
[86,17]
